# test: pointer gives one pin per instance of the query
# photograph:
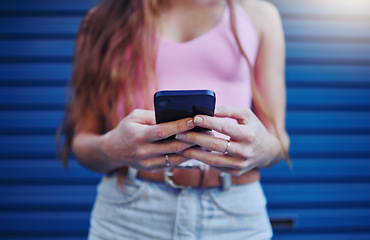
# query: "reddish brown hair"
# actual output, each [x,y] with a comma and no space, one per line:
[257,98]
[115,53]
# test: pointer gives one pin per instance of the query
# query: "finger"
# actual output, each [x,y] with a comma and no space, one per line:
[222,125]
[208,142]
[159,162]
[165,130]
[163,147]
[238,113]
[214,159]
[142,116]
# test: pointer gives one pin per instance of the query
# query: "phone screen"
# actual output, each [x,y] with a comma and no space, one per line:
[175,105]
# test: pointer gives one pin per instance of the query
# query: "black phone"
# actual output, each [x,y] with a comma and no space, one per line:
[174,105]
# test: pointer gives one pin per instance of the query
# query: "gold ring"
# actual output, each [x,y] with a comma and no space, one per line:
[227,147]
[167,160]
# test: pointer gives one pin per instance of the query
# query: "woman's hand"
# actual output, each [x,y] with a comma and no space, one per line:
[251,145]
[135,142]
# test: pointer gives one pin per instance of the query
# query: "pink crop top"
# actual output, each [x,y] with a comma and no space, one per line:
[211,61]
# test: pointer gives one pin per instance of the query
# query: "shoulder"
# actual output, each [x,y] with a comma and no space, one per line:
[264,15]
[260,10]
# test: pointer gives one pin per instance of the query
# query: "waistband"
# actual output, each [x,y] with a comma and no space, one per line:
[199,177]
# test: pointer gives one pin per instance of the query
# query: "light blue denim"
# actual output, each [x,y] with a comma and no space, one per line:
[152,210]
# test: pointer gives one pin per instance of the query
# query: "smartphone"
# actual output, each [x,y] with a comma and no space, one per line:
[174,105]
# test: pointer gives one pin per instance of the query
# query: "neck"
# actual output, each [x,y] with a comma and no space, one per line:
[192,3]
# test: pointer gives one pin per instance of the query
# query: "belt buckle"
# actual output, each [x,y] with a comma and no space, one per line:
[167,174]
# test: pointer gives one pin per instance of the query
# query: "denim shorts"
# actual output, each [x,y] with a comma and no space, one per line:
[151,210]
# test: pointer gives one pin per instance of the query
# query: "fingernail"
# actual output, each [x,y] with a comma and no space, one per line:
[198,120]
[180,136]
[190,123]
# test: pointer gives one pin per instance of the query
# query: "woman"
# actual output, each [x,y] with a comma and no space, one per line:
[127,50]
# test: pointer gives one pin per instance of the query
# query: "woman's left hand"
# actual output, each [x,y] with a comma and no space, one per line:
[251,145]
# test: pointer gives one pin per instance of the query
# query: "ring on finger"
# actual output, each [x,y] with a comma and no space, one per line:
[227,147]
[167,160]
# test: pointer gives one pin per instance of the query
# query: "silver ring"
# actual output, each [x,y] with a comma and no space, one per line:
[167,160]
[227,147]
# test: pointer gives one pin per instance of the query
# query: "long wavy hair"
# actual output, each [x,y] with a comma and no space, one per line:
[115,54]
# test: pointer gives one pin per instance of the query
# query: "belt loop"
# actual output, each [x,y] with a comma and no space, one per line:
[204,171]
[131,174]
[225,179]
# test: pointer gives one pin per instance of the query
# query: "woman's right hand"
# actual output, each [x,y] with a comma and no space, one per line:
[135,142]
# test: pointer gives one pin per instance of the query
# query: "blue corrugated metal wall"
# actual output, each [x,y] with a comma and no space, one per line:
[327,196]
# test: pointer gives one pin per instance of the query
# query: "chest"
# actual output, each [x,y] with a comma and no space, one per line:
[185,24]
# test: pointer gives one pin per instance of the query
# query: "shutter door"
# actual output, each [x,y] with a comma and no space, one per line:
[326,196]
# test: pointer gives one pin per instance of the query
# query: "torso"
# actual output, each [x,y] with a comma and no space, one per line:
[175,24]
[204,54]
[211,60]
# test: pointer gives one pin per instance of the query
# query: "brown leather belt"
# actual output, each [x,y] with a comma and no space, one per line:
[200,177]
